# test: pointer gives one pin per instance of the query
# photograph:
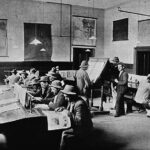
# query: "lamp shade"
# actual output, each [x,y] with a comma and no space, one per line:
[92,38]
[35,42]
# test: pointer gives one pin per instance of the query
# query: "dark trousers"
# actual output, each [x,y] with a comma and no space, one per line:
[120,110]
[67,140]
[72,140]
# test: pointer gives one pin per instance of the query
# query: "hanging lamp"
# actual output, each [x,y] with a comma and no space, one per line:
[91,37]
[35,41]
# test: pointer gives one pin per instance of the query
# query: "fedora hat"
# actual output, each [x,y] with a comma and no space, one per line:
[115,60]
[69,89]
[51,73]
[84,64]
[56,84]
[121,63]
[44,79]
[14,71]
[23,72]
[33,70]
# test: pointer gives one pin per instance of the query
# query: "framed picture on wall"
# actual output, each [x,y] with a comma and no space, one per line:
[84,31]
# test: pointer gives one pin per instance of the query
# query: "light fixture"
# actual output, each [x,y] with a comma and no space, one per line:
[35,41]
[88,50]
[92,38]
[90,26]
[43,50]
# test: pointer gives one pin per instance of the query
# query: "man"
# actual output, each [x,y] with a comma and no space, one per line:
[13,78]
[44,95]
[80,117]
[83,81]
[122,86]
[58,98]
[114,74]
[142,96]
[24,80]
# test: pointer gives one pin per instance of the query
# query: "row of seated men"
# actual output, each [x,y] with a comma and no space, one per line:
[60,95]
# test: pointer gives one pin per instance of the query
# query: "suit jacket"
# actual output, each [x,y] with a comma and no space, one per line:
[47,96]
[122,82]
[81,117]
[60,101]
[83,82]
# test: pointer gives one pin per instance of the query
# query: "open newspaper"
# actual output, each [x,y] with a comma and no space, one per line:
[57,120]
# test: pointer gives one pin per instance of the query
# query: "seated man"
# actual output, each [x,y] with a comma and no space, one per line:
[44,94]
[24,80]
[79,114]
[142,96]
[13,78]
[34,87]
[58,99]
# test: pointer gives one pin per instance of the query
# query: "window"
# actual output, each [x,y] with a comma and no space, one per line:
[120,30]
[3,37]
[39,52]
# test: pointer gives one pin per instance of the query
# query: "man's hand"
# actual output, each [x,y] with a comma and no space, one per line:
[59,109]
[36,99]
[116,80]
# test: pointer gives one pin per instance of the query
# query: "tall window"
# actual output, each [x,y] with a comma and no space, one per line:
[37,52]
[3,37]
[120,30]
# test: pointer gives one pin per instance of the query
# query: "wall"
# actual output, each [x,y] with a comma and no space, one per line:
[124,49]
[19,12]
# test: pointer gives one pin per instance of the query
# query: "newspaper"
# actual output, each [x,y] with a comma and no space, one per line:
[57,120]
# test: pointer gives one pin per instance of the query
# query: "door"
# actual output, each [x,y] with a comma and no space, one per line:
[143,61]
[80,54]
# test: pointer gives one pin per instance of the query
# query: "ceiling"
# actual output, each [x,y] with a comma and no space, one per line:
[103,4]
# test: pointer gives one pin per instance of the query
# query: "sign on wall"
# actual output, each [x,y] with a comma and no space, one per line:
[83,30]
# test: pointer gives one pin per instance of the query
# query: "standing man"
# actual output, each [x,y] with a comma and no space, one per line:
[83,82]
[114,75]
[122,86]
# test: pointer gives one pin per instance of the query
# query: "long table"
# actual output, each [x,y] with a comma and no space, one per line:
[12,108]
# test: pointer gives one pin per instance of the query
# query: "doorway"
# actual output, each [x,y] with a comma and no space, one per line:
[80,54]
[143,60]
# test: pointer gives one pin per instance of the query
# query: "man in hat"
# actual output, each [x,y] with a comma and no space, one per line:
[54,75]
[79,114]
[45,93]
[13,78]
[122,86]
[142,97]
[114,73]
[32,74]
[34,89]
[24,80]
[58,99]
[83,81]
